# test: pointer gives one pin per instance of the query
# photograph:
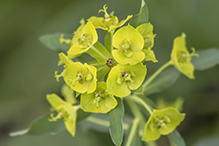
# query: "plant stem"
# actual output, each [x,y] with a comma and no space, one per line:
[138,118]
[98,52]
[139,100]
[148,81]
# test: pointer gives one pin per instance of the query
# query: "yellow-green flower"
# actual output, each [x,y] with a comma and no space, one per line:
[83,40]
[129,44]
[108,22]
[181,58]
[99,101]
[146,30]
[162,122]
[81,78]
[124,78]
[65,110]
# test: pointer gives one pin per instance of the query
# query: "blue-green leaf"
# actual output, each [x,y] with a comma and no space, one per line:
[51,41]
[142,16]
[163,81]
[43,125]
[115,117]
[176,139]
[207,59]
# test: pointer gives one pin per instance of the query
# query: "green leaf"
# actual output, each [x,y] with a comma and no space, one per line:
[43,125]
[142,16]
[163,81]
[99,52]
[81,115]
[51,41]
[176,139]
[115,117]
[102,72]
[207,59]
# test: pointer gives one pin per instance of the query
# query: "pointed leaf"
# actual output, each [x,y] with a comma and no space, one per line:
[51,41]
[43,125]
[115,117]
[142,16]
[176,139]
[207,59]
[163,81]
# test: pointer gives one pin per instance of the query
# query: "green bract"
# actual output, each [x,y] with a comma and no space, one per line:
[65,110]
[81,78]
[99,101]
[124,78]
[162,122]
[146,30]
[83,40]
[181,58]
[129,44]
[108,22]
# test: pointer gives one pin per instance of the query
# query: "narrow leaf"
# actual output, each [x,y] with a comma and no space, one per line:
[51,41]
[108,40]
[142,16]
[163,81]
[43,125]
[207,59]
[176,139]
[115,117]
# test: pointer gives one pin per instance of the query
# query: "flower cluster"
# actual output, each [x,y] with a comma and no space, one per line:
[123,62]
[117,69]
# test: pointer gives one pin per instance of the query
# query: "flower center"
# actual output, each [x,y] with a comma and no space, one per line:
[85,40]
[109,21]
[126,48]
[110,62]
[147,42]
[62,114]
[160,122]
[182,57]
[82,76]
[99,95]
[126,76]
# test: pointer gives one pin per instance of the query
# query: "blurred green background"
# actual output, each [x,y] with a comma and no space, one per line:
[27,67]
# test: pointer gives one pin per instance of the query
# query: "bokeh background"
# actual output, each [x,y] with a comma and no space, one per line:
[27,67]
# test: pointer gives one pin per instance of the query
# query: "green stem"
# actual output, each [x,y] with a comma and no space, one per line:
[132,132]
[140,101]
[102,122]
[138,118]
[111,47]
[99,53]
[148,81]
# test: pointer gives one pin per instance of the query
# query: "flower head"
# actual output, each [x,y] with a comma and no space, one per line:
[66,112]
[83,39]
[162,122]
[81,78]
[99,101]
[146,30]
[129,44]
[181,58]
[124,78]
[108,22]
